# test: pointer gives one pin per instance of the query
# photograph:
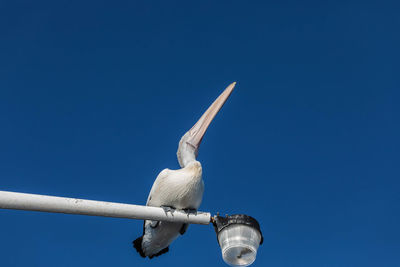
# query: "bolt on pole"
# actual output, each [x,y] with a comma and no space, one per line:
[34,202]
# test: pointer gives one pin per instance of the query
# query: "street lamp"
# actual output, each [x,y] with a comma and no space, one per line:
[238,235]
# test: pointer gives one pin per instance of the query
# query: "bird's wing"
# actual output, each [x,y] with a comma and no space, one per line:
[159,180]
[162,175]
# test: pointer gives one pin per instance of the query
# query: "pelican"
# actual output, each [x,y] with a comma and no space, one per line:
[178,189]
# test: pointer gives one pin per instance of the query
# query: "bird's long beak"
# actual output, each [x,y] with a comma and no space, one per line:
[199,129]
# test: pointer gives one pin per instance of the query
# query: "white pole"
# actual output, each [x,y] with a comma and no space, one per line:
[21,201]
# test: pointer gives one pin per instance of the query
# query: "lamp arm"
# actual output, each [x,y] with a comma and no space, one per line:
[34,202]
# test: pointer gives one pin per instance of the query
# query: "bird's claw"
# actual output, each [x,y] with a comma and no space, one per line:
[190,211]
[168,209]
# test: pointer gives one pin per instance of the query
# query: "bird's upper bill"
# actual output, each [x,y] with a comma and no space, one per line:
[195,135]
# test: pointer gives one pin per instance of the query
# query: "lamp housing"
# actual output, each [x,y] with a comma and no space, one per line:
[239,237]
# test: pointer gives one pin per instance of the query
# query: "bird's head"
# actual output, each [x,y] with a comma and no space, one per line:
[189,144]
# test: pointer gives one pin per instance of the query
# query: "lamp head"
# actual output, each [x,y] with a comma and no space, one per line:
[239,237]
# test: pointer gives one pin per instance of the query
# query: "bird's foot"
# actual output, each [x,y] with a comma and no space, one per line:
[190,211]
[168,209]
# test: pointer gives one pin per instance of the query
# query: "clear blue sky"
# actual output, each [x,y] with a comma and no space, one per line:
[94,97]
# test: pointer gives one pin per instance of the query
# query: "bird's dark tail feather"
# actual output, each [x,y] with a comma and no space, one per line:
[137,244]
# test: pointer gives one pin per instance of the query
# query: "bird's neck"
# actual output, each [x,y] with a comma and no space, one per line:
[187,160]
[186,154]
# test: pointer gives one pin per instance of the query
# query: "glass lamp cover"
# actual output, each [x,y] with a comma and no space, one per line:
[239,244]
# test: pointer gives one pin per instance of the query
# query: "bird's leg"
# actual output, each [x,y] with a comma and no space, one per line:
[183,228]
[168,209]
[154,224]
[190,211]
[186,225]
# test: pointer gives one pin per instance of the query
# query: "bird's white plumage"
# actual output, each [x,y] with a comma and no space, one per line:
[180,189]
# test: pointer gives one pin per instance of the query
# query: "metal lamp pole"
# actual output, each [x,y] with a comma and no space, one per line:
[33,202]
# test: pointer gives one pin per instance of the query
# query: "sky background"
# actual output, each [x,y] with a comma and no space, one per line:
[94,97]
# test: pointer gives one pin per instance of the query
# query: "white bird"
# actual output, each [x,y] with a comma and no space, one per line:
[178,189]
